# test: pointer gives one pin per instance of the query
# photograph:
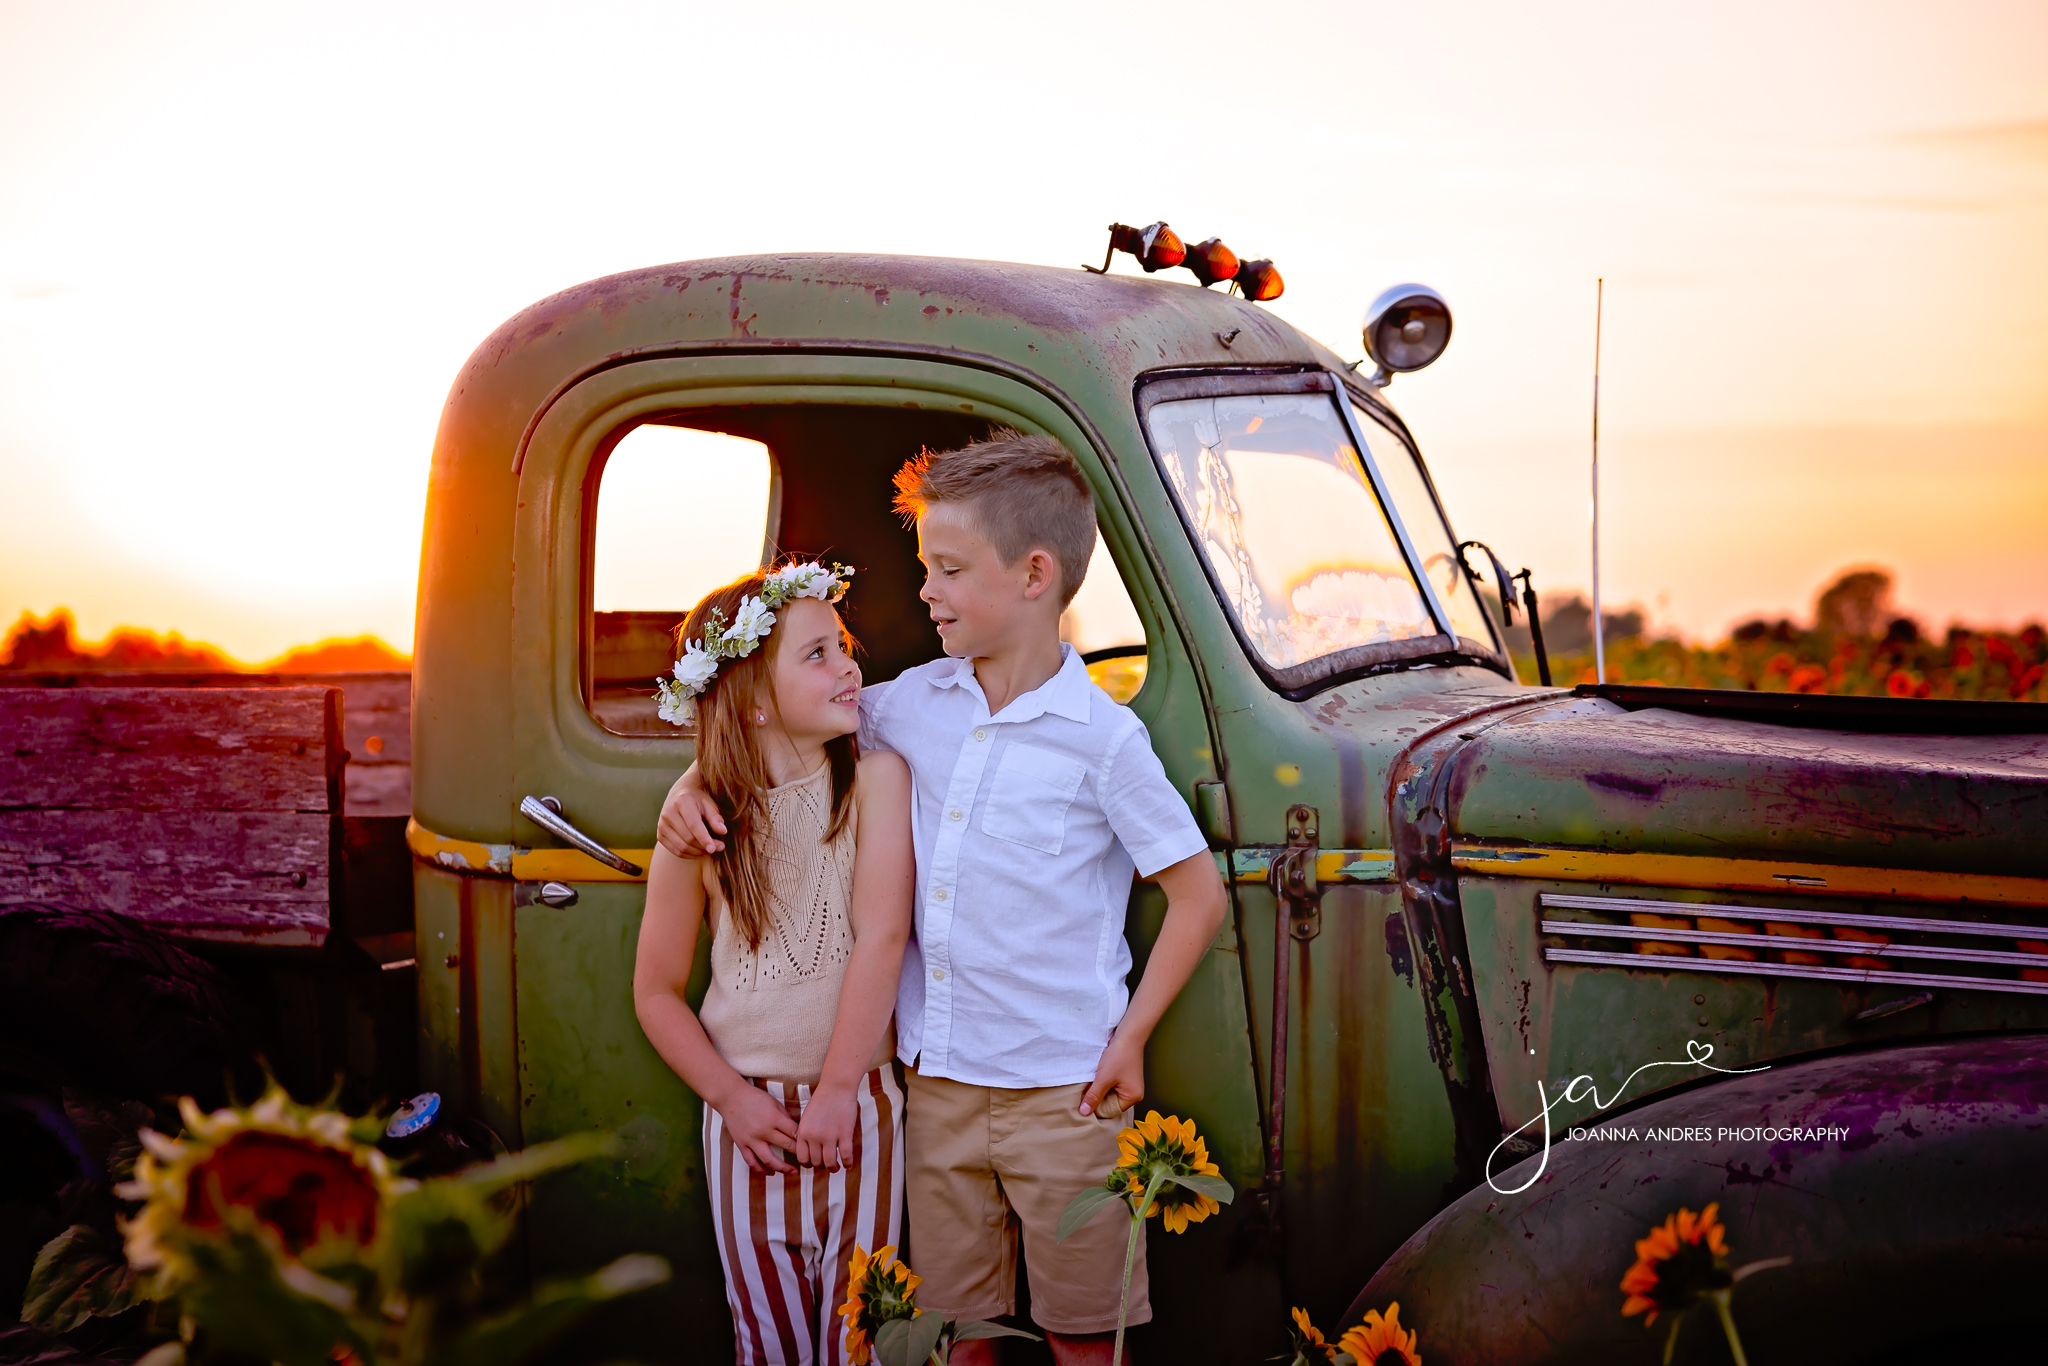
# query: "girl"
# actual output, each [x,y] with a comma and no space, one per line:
[808,906]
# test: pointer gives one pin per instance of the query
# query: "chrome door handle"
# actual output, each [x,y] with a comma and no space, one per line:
[546,813]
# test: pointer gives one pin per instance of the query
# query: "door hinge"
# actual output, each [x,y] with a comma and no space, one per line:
[1294,873]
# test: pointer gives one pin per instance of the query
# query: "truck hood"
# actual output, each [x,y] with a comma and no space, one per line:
[1594,774]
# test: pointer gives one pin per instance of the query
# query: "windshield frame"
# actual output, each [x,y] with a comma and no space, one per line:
[1492,654]
[1297,681]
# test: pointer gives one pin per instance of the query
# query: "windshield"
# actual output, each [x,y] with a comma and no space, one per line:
[1428,533]
[1273,490]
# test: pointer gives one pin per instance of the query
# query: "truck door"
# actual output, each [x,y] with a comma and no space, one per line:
[1326,650]
[642,487]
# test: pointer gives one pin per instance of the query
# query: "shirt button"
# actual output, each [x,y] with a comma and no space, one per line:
[938,974]
[981,735]
[939,894]
[954,814]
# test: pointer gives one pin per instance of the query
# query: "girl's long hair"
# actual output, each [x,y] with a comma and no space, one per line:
[733,768]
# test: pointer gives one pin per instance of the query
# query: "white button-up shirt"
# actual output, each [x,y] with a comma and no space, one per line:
[1028,826]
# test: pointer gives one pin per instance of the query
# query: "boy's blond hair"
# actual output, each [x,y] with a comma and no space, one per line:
[1025,493]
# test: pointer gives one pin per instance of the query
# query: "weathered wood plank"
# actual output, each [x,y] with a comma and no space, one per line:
[171,749]
[242,875]
[379,738]
[379,718]
[378,790]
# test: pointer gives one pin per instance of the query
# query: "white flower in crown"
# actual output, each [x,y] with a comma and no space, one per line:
[675,703]
[695,668]
[811,580]
[676,696]
[750,626]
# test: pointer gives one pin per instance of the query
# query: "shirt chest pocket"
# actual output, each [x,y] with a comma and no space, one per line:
[1027,803]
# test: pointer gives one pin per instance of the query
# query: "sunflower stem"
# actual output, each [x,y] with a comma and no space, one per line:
[1123,1308]
[1722,1307]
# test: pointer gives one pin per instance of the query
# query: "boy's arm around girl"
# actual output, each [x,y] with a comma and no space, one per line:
[1195,900]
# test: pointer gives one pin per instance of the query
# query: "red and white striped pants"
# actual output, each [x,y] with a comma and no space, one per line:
[785,1240]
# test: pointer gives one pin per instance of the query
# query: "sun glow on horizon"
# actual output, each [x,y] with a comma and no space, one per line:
[244,250]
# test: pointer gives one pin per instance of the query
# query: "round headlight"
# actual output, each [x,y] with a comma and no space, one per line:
[1406,328]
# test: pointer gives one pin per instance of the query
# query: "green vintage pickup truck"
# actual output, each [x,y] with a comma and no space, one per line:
[1504,961]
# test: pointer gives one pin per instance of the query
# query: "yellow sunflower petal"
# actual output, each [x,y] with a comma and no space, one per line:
[160,1146]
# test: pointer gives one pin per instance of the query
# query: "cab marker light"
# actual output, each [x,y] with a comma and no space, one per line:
[1158,247]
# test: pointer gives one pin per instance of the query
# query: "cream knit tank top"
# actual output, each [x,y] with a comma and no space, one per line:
[770,1010]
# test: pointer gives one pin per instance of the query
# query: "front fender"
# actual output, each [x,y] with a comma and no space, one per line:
[1922,1233]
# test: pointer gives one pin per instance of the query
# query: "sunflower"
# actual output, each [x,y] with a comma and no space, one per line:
[1380,1341]
[878,1289]
[1158,1145]
[1308,1339]
[1684,1259]
[294,1172]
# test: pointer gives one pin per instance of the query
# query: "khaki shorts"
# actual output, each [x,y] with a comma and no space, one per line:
[984,1161]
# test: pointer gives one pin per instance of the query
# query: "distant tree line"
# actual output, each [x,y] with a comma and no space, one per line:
[51,645]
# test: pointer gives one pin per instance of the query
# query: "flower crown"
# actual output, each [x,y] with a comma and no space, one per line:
[677,696]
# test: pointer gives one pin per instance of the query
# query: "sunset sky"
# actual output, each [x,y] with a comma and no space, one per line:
[244,249]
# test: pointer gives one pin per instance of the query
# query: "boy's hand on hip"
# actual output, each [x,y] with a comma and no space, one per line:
[1121,1070]
[759,1126]
[690,820]
[825,1138]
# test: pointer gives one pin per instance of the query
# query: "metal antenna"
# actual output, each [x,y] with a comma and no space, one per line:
[1599,642]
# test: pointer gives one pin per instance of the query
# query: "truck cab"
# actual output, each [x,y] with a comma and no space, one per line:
[1448,885]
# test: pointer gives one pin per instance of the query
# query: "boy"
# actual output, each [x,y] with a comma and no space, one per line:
[1036,797]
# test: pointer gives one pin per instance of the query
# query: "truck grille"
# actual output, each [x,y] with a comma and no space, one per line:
[1828,946]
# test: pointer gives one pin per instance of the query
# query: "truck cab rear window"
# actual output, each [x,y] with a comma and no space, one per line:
[700,496]
[679,512]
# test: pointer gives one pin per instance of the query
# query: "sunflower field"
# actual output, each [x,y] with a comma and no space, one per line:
[1854,648]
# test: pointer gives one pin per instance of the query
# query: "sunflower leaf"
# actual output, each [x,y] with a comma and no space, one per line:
[971,1330]
[889,1346]
[250,1309]
[1743,1273]
[538,1160]
[1085,1207]
[555,1307]
[924,1335]
[76,1276]
[908,1342]
[1215,1187]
